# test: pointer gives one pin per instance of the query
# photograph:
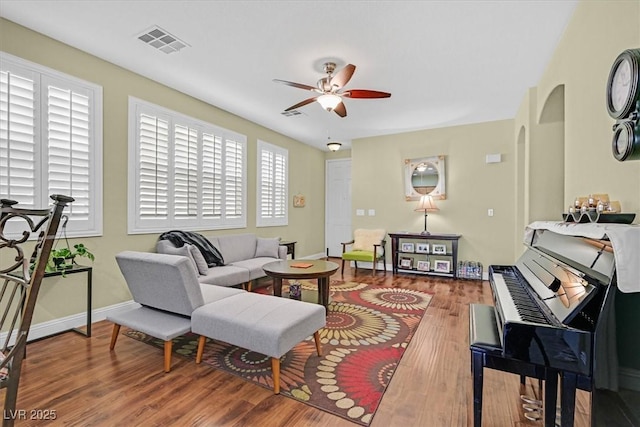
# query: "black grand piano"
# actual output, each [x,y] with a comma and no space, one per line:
[552,320]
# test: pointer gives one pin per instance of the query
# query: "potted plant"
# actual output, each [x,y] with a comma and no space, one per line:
[61,259]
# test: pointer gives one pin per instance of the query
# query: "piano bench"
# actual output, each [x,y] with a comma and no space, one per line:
[483,331]
[486,351]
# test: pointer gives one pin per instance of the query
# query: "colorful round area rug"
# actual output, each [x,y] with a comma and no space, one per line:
[368,329]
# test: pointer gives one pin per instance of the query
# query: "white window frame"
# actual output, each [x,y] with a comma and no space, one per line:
[272,219]
[198,220]
[90,222]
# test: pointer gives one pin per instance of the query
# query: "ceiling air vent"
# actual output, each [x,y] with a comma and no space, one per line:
[162,40]
[291,113]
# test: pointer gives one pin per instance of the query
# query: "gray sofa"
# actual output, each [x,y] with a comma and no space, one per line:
[243,254]
[170,302]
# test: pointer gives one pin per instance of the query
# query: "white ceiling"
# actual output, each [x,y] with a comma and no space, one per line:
[446,63]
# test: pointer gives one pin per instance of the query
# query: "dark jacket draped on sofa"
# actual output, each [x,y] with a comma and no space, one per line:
[179,238]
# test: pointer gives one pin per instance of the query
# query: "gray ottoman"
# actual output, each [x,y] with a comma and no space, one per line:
[261,323]
[158,324]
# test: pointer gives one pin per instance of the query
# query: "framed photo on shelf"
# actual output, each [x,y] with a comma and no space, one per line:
[407,247]
[422,248]
[406,262]
[423,265]
[441,266]
[439,249]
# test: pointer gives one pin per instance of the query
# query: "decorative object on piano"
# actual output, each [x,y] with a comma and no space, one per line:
[597,208]
[425,205]
[423,266]
[439,249]
[623,104]
[441,266]
[406,262]
[422,248]
[424,176]
[407,247]
[469,270]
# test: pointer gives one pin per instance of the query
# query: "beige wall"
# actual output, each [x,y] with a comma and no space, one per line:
[472,186]
[62,297]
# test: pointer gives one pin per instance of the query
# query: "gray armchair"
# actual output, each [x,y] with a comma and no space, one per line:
[167,289]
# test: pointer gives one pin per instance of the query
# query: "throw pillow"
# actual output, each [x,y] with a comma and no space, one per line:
[182,251]
[267,247]
[198,258]
[363,240]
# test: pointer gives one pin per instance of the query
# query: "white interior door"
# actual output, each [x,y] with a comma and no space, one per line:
[338,205]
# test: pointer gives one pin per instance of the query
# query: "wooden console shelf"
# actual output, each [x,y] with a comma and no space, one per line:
[430,254]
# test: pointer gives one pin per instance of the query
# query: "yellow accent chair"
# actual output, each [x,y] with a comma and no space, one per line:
[366,246]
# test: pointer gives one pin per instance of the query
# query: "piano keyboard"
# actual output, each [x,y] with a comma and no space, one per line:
[520,305]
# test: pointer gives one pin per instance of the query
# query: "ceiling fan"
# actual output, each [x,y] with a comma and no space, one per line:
[330,90]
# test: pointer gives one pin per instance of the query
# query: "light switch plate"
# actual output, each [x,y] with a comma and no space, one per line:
[359,212]
[372,212]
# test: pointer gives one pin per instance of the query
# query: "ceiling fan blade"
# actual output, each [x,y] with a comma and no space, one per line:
[302,103]
[341,110]
[343,76]
[298,85]
[364,93]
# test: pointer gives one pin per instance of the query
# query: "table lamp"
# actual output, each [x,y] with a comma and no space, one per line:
[425,205]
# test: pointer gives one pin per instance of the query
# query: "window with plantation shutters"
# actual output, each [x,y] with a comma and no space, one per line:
[272,187]
[51,141]
[189,174]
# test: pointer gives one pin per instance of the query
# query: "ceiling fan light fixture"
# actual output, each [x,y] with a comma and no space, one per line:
[334,145]
[329,101]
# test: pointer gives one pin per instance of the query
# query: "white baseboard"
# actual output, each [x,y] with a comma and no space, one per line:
[52,327]
[629,378]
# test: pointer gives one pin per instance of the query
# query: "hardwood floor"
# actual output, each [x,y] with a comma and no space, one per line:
[85,384]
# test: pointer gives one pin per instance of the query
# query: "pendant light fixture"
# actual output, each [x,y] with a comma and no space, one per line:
[333,145]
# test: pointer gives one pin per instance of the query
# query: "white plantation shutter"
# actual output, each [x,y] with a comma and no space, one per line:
[153,167]
[69,146]
[18,138]
[185,172]
[272,185]
[211,176]
[280,186]
[266,201]
[234,179]
[191,174]
[51,141]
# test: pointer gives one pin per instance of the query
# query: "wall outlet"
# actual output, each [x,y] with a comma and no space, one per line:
[490,212]
[359,212]
[372,212]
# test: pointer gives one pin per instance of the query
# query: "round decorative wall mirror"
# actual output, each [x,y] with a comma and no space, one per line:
[425,176]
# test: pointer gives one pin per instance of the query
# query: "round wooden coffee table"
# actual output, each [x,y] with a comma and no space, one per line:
[319,269]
